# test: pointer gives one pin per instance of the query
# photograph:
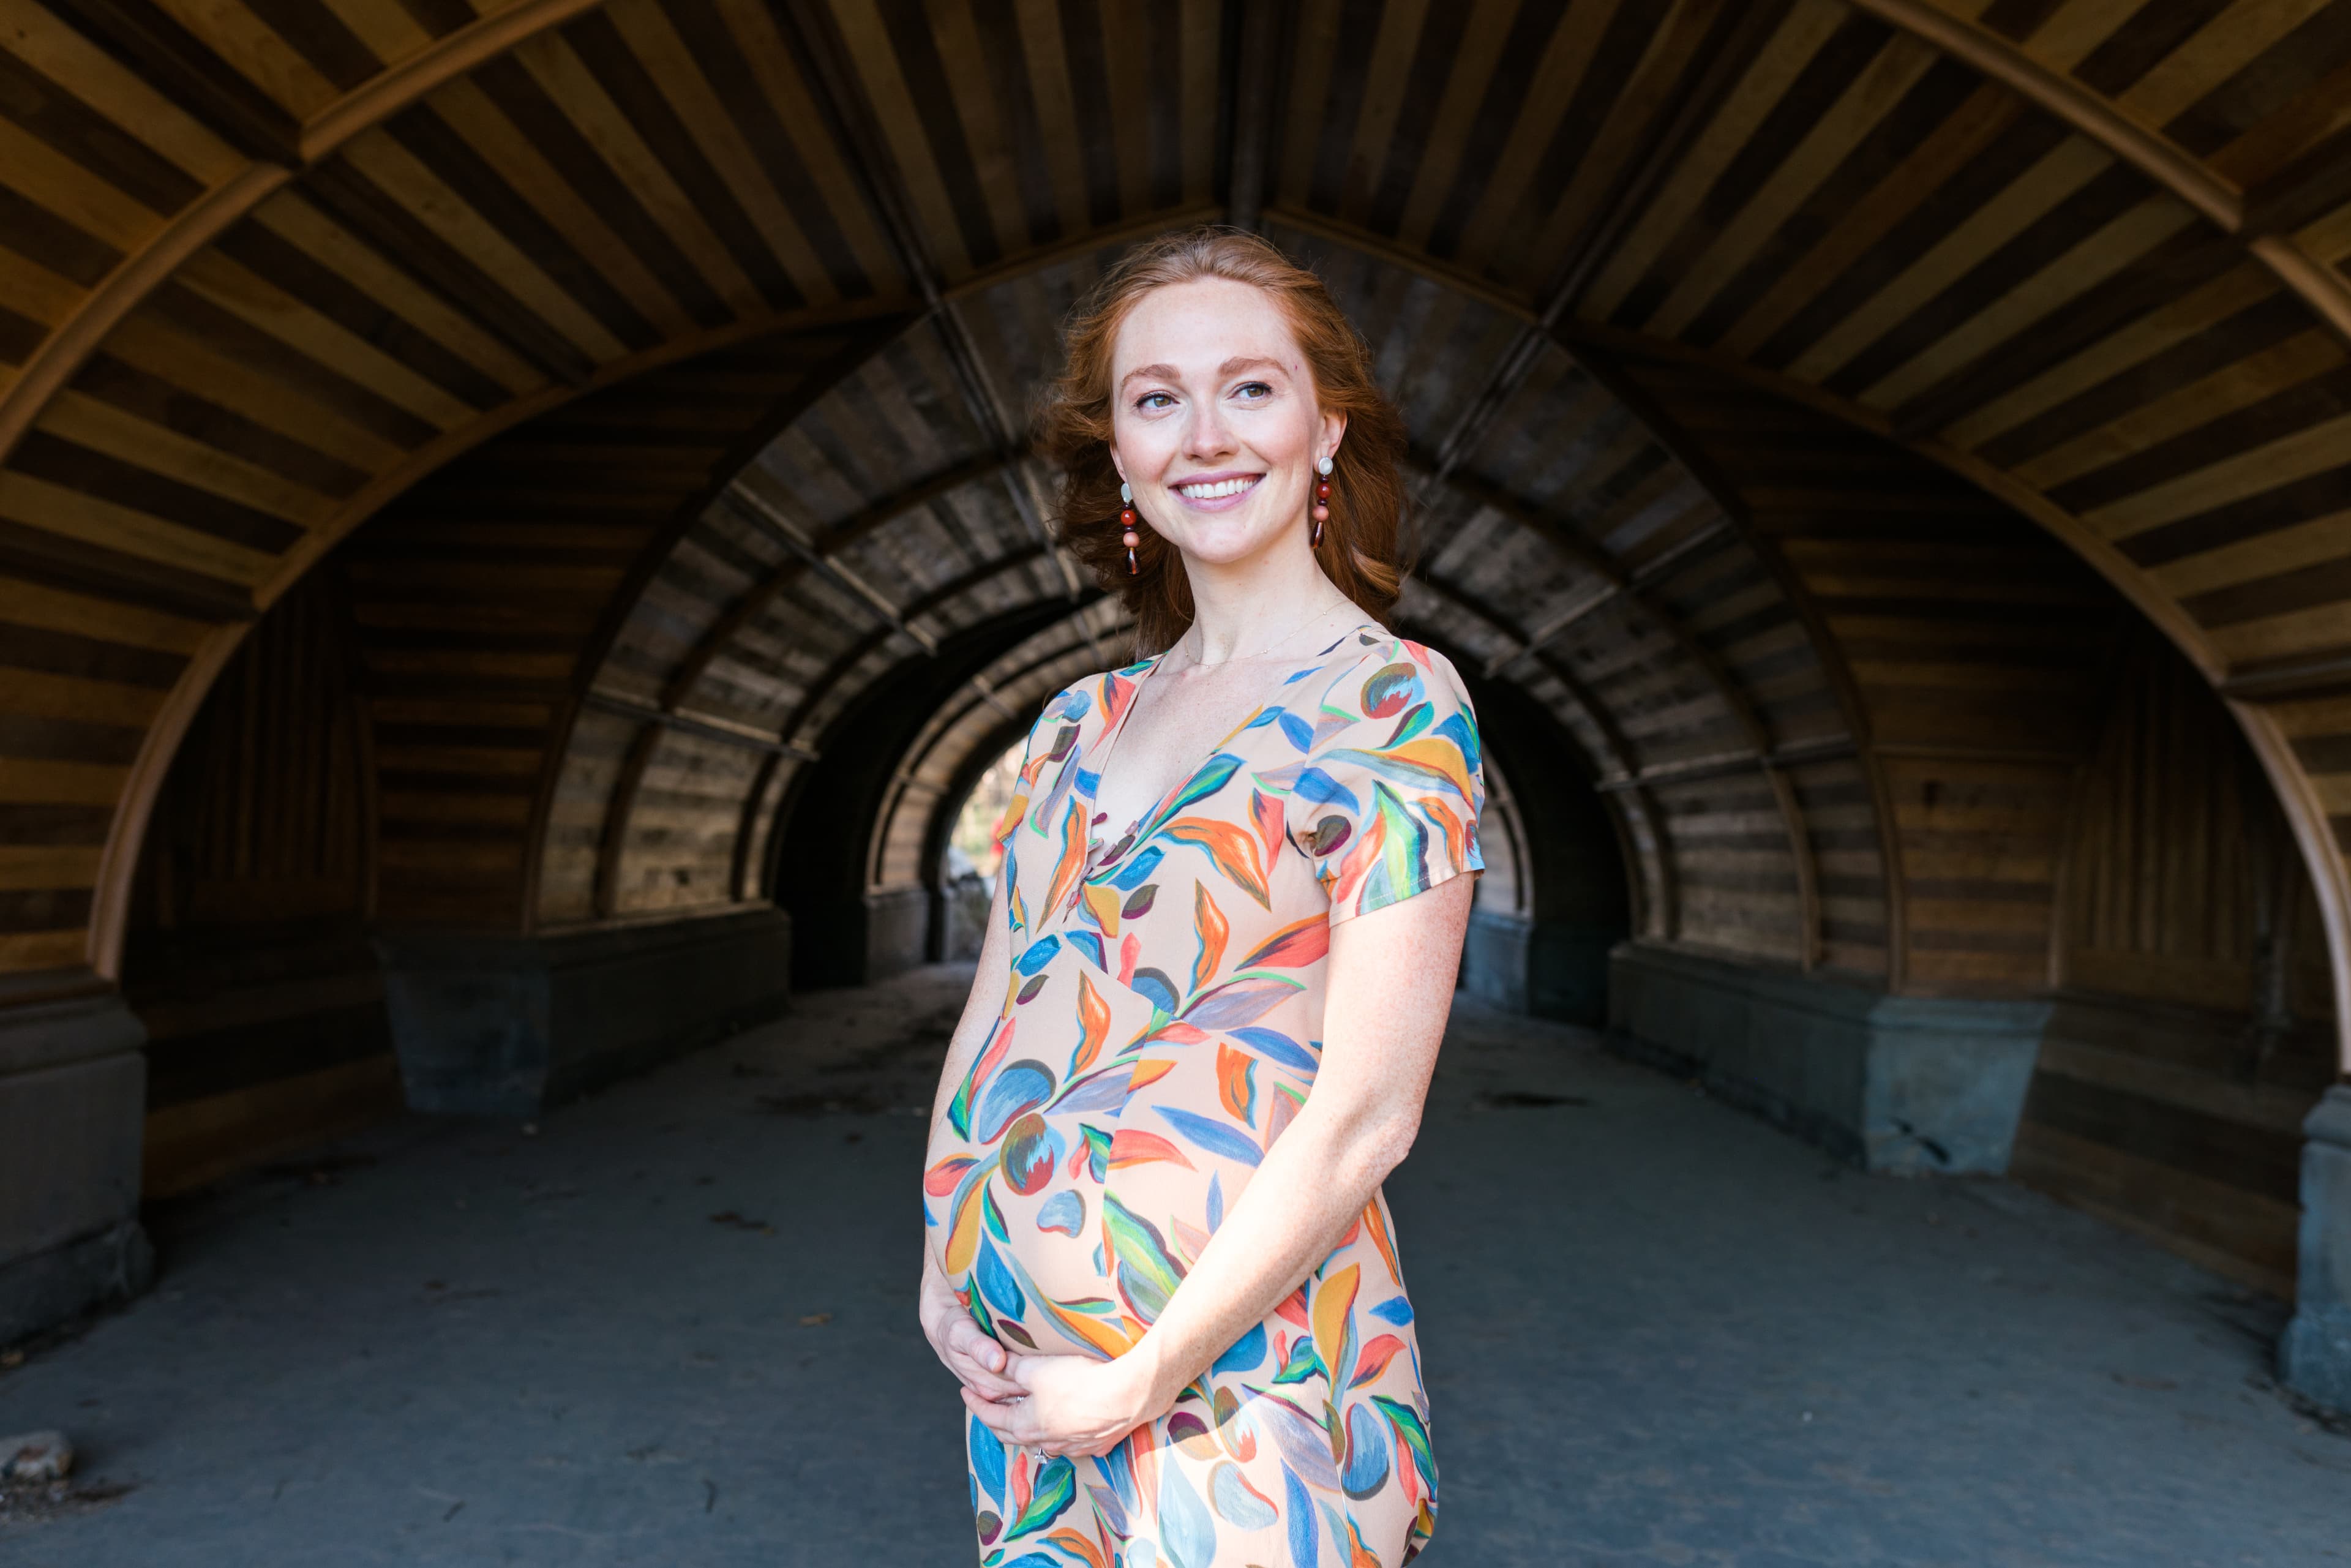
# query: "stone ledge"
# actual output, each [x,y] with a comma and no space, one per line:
[1548,968]
[72,1100]
[2315,1355]
[45,1288]
[504,1026]
[1908,1085]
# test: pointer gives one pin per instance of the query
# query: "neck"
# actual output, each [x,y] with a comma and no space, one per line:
[1241,607]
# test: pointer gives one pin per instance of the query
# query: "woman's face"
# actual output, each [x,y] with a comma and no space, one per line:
[1215,423]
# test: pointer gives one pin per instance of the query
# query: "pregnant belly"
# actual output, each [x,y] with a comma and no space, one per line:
[1075,1180]
[1017,1227]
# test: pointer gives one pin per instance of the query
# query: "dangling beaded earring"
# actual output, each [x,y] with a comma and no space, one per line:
[1126,518]
[1321,499]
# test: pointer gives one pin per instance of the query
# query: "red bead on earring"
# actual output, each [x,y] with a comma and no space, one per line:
[1126,519]
[1321,499]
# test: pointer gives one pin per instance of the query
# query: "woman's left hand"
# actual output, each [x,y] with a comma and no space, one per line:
[1074,1403]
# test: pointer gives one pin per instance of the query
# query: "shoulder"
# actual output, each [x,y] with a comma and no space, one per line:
[1375,675]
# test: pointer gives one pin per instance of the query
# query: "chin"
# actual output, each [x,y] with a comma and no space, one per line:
[1227,541]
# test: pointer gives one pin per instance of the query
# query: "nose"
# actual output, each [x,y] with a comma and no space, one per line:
[1207,435]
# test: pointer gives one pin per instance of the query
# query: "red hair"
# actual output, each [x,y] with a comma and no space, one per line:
[1360,542]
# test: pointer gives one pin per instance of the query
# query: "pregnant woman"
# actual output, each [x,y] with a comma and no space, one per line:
[1218,965]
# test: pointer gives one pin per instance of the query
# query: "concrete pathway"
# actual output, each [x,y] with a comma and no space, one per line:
[675,1327]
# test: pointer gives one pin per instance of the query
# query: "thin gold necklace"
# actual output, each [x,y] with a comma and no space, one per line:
[1285,638]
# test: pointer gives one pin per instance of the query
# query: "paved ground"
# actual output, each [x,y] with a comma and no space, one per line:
[674,1328]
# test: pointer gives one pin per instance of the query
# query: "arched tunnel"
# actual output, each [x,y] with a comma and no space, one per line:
[518,539]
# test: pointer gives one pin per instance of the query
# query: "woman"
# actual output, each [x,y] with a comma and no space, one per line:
[1219,967]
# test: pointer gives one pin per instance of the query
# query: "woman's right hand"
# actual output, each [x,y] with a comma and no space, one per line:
[978,1362]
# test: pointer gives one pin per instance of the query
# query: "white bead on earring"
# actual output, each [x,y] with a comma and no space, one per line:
[1126,491]
[1323,467]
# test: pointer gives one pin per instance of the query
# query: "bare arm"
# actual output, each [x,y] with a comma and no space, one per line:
[1391,987]
[976,1360]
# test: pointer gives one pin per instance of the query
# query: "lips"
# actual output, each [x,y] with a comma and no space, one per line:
[1216,487]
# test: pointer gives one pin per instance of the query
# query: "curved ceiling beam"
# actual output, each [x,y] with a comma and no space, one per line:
[2325,291]
[64,351]
[834,539]
[1659,864]
[855,652]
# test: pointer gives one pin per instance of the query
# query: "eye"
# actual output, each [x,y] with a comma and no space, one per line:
[1153,402]
[1253,392]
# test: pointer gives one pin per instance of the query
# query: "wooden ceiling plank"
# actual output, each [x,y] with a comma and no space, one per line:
[791,100]
[873,58]
[2303,455]
[70,515]
[990,142]
[2072,102]
[33,867]
[1057,117]
[2303,547]
[66,58]
[43,781]
[2235,387]
[831,267]
[565,79]
[161,50]
[2219,306]
[1688,68]
[1484,38]
[37,171]
[469,112]
[1976,126]
[1129,77]
[1760,84]
[1199,68]
[1859,113]
[80,133]
[40,693]
[104,428]
[1395,46]
[36,293]
[2059,175]
[2253,159]
[235,35]
[2215,52]
[263,305]
[320,38]
[389,32]
[668,130]
[1588,32]
[403,208]
[2281,637]
[343,297]
[47,608]
[1316,45]
[2089,265]
[147,343]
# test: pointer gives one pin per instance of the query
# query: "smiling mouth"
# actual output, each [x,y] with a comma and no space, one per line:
[1218,489]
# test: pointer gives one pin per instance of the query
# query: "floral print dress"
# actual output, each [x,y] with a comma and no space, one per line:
[1161,1026]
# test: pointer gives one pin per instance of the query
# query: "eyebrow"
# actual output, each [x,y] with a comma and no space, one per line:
[1169,374]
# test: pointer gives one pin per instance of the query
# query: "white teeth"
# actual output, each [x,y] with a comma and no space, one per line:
[1212,492]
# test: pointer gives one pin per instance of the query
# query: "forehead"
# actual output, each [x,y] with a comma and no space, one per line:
[1198,325]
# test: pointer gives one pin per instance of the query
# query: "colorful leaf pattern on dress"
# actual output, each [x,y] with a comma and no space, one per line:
[1161,1028]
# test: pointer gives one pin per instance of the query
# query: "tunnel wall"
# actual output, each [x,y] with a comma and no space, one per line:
[248,958]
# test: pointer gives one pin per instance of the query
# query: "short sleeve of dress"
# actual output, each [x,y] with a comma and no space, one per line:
[1386,804]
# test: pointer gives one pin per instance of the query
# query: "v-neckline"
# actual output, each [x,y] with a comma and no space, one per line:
[1116,732]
